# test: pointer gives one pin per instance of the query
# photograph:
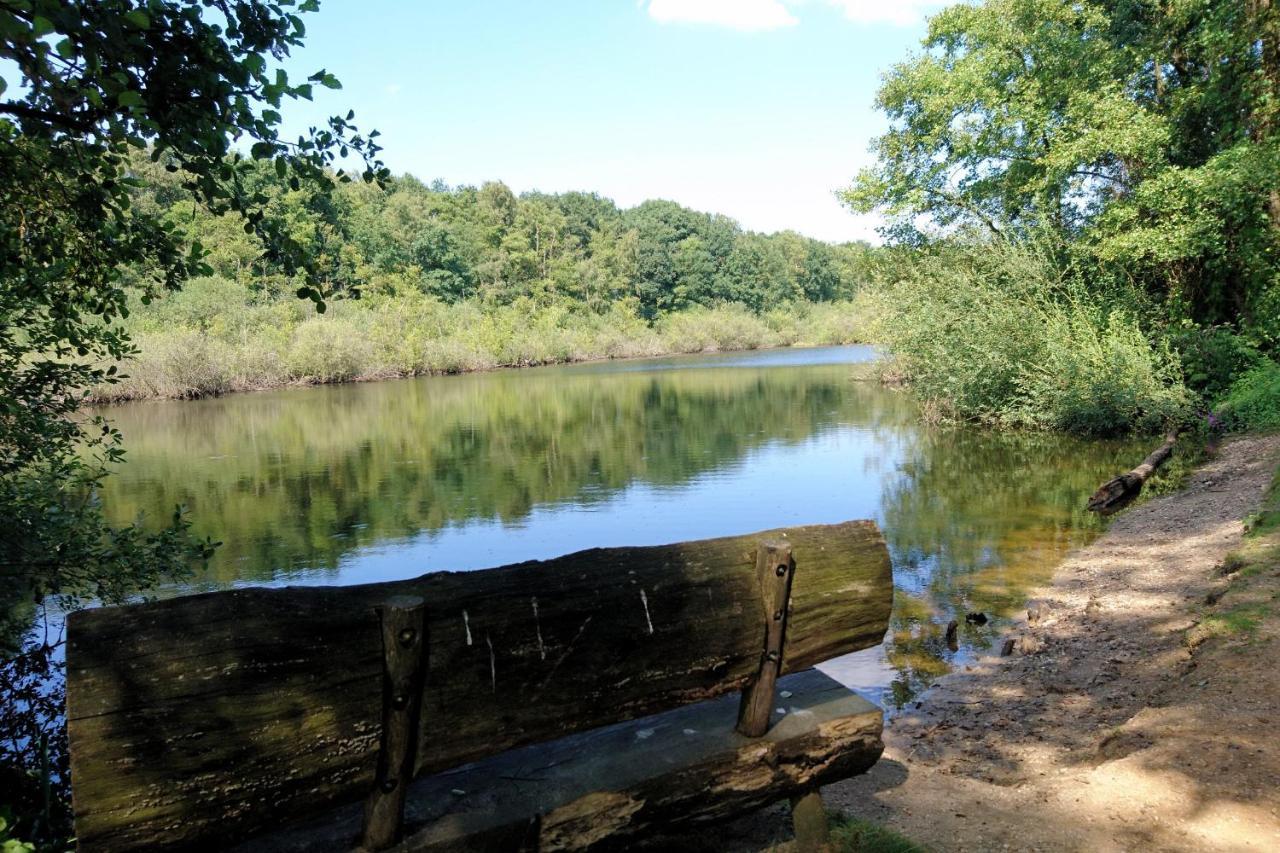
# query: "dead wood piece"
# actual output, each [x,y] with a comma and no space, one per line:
[1117,493]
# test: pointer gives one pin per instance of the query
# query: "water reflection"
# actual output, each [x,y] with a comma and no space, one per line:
[358,483]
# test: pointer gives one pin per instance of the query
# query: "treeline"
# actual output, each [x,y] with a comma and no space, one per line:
[460,243]
[437,279]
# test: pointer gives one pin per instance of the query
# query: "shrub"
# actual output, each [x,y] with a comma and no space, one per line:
[182,363]
[328,350]
[727,327]
[1002,332]
[1098,375]
[1212,358]
[191,348]
[1254,400]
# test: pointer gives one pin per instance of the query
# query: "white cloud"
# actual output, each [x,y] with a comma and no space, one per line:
[902,13]
[773,14]
[735,14]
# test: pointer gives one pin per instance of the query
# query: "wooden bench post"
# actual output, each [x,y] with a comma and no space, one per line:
[809,820]
[404,644]
[774,571]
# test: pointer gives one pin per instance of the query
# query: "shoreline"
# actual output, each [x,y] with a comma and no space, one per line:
[1111,722]
[93,401]
[1133,714]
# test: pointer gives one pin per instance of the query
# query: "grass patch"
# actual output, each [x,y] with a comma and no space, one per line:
[854,835]
[1251,567]
[1241,621]
[1265,523]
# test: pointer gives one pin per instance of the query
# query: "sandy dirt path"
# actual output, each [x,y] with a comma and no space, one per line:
[1105,730]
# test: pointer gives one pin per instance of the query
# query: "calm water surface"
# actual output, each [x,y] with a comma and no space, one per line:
[380,481]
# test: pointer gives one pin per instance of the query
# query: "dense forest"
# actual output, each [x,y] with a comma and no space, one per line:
[457,243]
[427,279]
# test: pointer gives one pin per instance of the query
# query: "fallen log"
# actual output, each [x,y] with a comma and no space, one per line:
[1117,493]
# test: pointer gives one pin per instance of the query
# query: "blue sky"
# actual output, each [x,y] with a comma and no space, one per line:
[758,109]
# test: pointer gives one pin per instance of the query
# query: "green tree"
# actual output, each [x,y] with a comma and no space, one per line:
[195,87]
[1145,130]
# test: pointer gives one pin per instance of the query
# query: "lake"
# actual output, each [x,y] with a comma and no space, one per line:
[380,481]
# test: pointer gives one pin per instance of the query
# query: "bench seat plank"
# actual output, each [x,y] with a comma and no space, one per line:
[623,782]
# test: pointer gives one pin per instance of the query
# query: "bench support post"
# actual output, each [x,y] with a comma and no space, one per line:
[404,643]
[775,568]
[809,819]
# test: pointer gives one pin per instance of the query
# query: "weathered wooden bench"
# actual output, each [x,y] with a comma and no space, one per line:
[551,705]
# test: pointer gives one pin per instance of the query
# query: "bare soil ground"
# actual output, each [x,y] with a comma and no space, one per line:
[1107,730]
[1139,711]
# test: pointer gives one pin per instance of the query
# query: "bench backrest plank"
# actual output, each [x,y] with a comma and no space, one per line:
[211,717]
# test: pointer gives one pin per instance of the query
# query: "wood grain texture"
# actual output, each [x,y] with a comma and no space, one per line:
[211,717]
[610,787]
[775,569]
[403,621]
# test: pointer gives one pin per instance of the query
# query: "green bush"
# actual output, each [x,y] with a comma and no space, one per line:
[728,327]
[181,363]
[1253,403]
[1006,333]
[1098,374]
[1212,358]
[329,350]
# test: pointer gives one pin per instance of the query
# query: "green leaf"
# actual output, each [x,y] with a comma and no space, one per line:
[139,19]
[66,48]
[129,98]
[41,26]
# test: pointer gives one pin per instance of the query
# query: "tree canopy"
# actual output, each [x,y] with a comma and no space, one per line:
[92,91]
[194,88]
[488,243]
[1143,130]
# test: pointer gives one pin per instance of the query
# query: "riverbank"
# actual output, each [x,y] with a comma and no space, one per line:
[1139,709]
[199,343]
